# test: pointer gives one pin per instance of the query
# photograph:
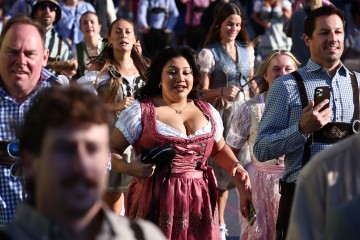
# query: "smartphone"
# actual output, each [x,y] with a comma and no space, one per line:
[252,214]
[322,93]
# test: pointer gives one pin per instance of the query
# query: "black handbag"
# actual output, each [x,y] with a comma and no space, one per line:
[160,156]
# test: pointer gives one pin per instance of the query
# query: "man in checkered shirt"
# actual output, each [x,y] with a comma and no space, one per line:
[292,125]
[22,56]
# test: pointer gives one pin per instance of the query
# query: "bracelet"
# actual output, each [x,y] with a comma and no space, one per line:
[222,91]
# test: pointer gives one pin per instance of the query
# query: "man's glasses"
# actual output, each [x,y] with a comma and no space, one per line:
[44,6]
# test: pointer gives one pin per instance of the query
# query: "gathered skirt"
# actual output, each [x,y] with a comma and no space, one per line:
[264,180]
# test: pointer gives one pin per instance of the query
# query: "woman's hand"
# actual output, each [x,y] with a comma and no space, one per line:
[245,200]
[125,103]
[240,172]
[242,182]
[140,170]
[230,93]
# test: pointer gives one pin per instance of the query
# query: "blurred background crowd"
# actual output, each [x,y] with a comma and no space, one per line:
[270,24]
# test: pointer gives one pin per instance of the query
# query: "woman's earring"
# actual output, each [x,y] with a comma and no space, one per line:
[159,85]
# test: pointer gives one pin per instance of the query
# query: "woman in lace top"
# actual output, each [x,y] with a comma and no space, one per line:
[226,65]
[115,75]
[264,177]
[180,198]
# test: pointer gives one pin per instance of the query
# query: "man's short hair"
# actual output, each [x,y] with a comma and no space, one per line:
[60,107]
[22,19]
[326,10]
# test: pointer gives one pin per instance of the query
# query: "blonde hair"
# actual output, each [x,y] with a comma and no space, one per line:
[313,4]
[259,75]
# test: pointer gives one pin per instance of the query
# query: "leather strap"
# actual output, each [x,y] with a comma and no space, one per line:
[304,103]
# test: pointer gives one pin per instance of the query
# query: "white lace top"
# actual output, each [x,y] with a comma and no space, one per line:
[129,123]
[88,81]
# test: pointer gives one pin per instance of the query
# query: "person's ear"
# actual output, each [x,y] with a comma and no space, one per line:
[45,57]
[307,40]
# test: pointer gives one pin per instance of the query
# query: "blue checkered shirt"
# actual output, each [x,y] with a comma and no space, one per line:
[11,118]
[278,130]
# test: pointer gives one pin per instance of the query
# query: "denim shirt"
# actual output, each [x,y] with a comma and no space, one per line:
[227,72]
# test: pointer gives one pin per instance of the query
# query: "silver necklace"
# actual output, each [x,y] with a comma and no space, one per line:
[178,111]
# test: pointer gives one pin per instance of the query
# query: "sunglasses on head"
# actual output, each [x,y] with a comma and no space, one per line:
[43,6]
[13,149]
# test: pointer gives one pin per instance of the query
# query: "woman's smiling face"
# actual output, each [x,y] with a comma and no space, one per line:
[176,79]
[230,28]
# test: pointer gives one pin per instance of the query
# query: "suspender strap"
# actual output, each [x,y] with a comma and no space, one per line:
[59,48]
[80,51]
[355,88]
[52,41]
[301,87]
[304,103]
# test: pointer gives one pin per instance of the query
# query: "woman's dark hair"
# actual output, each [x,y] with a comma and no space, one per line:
[224,12]
[152,88]
[107,55]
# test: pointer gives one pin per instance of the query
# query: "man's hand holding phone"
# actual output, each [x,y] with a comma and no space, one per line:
[320,94]
[317,114]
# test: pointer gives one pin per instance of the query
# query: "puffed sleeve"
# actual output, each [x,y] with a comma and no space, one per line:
[129,122]
[90,82]
[219,126]
[287,4]
[251,51]
[239,130]
[206,60]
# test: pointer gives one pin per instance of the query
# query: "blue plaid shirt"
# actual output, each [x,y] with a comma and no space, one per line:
[11,118]
[278,130]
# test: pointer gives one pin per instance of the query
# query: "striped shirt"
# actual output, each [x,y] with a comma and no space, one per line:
[11,118]
[52,43]
[278,130]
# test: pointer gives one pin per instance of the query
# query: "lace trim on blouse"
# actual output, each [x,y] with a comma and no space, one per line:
[129,123]
[88,81]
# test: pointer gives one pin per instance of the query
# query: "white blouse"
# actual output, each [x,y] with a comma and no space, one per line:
[129,123]
[88,81]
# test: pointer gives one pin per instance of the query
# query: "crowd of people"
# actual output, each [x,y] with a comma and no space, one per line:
[154,109]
